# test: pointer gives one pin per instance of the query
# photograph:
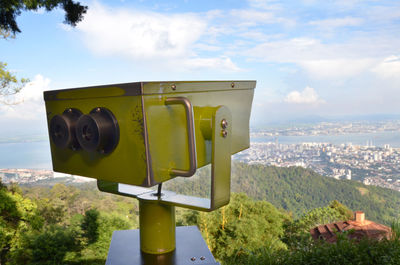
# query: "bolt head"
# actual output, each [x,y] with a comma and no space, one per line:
[232,85]
[192,258]
[173,87]
[224,124]
[224,133]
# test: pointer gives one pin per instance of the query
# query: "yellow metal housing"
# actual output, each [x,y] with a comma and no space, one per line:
[153,135]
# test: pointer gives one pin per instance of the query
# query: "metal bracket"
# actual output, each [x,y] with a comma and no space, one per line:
[220,173]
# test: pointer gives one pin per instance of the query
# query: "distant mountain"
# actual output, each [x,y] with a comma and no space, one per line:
[290,121]
[313,119]
[368,117]
[298,190]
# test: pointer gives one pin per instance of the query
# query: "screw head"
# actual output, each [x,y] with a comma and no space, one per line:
[224,133]
[69,110]
[224,124]
[98,109]
[202,258]
[173,87]
[192,258]
[232,85]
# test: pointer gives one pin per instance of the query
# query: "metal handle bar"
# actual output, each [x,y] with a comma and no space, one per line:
[220,172]
[190,133]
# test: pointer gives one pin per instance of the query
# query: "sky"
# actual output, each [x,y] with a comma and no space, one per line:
[310,58]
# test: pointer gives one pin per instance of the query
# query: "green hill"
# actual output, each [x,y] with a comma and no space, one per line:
[298,190]
[73,224]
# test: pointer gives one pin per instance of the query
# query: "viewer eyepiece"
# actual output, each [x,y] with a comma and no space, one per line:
[62,129]
[98,131]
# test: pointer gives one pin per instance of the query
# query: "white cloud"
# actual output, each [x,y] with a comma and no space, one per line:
[328,24]
[207,47]
[31,103]
[151,37]
[250,17]
[340,68]
[221,63]
[389,68]
[307,96]
[140,34]
[288,50]
[264,4]
[326,60]
[253,16]
[347,4]
[64,26]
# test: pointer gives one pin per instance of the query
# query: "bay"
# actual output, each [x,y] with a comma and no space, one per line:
[32,155]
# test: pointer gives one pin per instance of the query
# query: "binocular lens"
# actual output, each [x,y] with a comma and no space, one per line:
[62,129]
[98,131]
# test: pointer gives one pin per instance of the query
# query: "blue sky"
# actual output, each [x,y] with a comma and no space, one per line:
[326,58]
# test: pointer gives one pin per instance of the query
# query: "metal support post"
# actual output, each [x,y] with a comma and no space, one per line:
[157,227]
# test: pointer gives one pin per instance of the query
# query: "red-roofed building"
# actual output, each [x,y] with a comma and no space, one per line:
[360,228]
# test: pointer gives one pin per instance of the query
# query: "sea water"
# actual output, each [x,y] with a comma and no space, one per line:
[33,155]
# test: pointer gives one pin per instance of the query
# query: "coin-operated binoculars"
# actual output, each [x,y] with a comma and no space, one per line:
[137,135]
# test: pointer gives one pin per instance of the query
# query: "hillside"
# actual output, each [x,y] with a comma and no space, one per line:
[73,224]
[298,190]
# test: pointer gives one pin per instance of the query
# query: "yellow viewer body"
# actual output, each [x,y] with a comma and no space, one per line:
[139,133]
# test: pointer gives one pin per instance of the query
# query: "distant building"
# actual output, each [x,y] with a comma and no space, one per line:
[367,181]
[361,228]
[348,175]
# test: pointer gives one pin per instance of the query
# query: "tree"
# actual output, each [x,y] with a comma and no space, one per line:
[51,246]
[10,9]
[5,34]
[18,217]
[243,226]
[9,85]
[90,225]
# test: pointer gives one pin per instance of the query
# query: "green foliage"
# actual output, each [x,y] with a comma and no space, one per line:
[9,84]
[299,190]
[345,251]
[51,246]
[243,225]
[244,232]
[108,223]
[396,230]
[18,217]
[9,10]
[90,225]
[52,212]
[57,226]
[5,34]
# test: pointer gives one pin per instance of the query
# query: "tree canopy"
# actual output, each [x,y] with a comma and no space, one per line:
[10,9]
[9,84]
